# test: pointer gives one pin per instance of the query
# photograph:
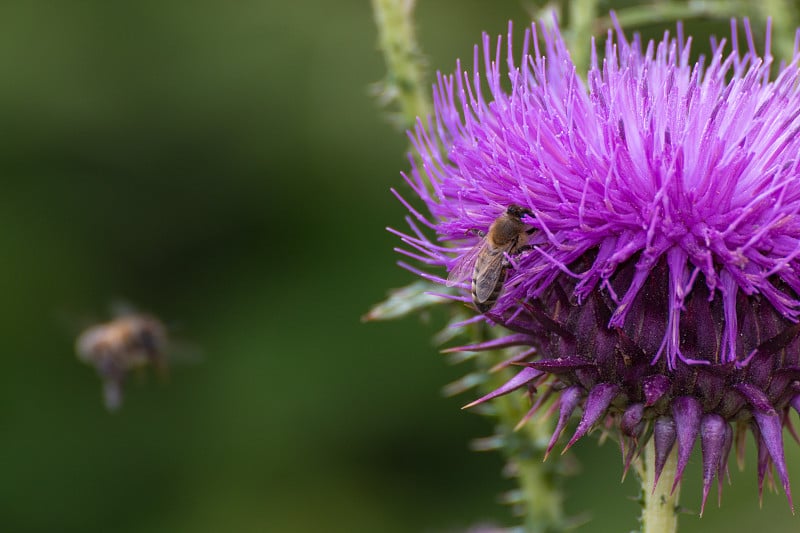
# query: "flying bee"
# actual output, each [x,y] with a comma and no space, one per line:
[129,342]
[487,262]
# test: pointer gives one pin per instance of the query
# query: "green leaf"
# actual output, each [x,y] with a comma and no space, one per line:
[406,300]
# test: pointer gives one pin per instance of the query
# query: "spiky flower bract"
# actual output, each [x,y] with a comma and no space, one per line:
[660,291]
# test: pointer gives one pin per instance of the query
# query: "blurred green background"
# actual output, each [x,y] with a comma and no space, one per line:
[223,165]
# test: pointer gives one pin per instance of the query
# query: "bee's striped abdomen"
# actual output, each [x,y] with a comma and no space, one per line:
[487,279]
[506,237]
[487,304]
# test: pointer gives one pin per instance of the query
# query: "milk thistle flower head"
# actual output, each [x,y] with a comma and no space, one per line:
[656,287]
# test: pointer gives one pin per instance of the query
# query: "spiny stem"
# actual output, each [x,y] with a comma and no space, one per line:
[659,507]
[539,492]
[582,16]
[404,86]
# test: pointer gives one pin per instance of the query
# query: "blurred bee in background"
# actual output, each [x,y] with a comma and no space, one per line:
[132,341]
[488,261]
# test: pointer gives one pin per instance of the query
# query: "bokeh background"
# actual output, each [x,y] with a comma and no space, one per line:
[223,165]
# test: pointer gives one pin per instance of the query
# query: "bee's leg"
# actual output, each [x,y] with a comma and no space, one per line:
[477,233]
[112,394]
[531,231]
[524,248]
[508,259]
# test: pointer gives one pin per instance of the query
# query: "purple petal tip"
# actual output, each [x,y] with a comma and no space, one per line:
[597,403]
[664,434]
[526,375]
[654,388]
[770,428]
[568,403]
[712,442]
[686,411]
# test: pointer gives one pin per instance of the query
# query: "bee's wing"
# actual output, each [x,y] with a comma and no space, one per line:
[121,308]
[465,266]
[487,273]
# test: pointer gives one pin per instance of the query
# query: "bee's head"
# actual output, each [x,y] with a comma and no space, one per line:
[517,211]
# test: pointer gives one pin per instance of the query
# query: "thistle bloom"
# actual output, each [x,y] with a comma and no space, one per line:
[660,291]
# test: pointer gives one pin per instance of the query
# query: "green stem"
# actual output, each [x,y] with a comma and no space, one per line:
[582,15]
[539,493]
[660,506]
[404,86]
[631,17]
[543,499]
[784,23]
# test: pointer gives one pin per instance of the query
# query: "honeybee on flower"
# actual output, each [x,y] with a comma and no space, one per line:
[487,263]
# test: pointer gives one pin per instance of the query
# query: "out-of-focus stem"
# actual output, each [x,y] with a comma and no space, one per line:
[539,492]
[543,498]
[660,507]
[662,12]
[784,25]
[582,15]
[404,85]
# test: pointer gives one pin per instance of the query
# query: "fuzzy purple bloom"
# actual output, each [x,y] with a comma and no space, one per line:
[661,287]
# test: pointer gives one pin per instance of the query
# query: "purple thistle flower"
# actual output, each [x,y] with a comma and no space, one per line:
[660,283]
